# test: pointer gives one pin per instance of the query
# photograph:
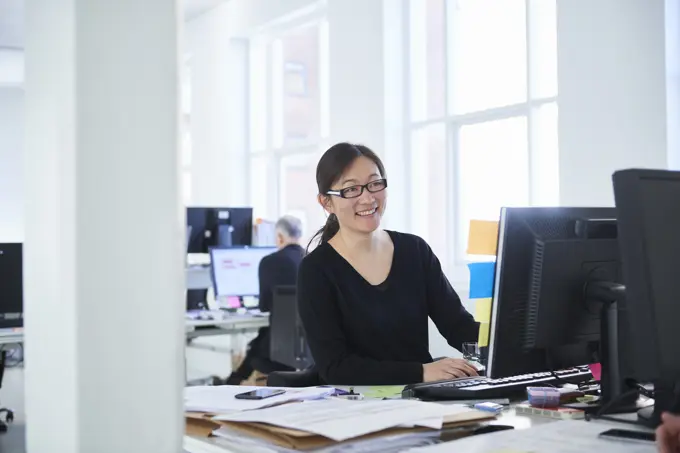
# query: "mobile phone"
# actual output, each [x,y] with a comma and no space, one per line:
[628,435]
[260,394]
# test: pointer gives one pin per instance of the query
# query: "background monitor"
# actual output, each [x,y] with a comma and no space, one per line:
[648,205]
[11,286]
[216,226]
[235,270]
[540,318]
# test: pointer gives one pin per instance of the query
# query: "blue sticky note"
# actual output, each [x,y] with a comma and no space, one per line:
[481,279]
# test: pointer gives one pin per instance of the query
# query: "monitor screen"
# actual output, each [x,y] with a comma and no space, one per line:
[235,270]
[11,286]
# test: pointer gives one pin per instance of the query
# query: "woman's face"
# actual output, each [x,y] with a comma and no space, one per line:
[363,213]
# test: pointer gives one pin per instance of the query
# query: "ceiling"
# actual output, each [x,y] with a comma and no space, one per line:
[12,19]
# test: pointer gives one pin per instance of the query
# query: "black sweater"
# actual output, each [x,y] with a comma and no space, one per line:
[360,334]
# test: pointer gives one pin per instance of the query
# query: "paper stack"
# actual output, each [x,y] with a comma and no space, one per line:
[323,424]
[222,399]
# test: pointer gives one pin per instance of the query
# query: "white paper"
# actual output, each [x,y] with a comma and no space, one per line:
[221,399]
[569,436]
[339,419]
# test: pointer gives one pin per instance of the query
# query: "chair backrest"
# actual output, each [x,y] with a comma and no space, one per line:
[287,338]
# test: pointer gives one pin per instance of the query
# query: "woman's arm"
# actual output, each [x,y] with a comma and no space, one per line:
[322,322]
[455,323]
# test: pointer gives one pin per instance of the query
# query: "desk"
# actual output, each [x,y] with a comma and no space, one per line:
[11,336]
[507,417]
[230,325]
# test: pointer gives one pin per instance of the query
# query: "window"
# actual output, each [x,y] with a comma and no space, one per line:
[288,120]
[483,115]
[297,192]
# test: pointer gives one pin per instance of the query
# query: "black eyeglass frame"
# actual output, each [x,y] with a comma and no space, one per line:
[341,193]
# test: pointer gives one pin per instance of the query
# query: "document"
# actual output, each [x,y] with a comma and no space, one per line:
[569,436]
[339,419]
[222,399]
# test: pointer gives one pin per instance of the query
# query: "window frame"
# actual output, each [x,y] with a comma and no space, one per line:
[456,265]
[267,37]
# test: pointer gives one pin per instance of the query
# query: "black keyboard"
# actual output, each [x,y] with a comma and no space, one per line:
[480,387]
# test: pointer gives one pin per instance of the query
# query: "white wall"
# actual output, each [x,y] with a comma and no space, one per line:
[612,82]
[11,166]
[11,67]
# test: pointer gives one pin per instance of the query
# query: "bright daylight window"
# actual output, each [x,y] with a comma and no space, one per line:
[483,115]
[288,121]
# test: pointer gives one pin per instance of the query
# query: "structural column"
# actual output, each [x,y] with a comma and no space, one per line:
[615,86]
[104,282]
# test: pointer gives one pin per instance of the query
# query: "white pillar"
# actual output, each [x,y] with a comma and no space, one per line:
[218,109]
[104,228]
[612,93]
[366,87]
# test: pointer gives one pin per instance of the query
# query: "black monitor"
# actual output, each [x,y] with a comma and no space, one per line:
[215,227]
[554,270]
[11,286]
[648,205]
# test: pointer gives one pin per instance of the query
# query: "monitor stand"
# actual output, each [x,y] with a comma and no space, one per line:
[665,400]
[614,392]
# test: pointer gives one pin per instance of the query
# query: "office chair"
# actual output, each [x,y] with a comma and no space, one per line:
[9,415]
[287,344]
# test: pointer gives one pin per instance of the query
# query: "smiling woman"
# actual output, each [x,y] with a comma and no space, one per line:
[365,294]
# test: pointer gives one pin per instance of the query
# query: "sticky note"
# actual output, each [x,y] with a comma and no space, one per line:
[481,279]
[384,391]
[483,339]
[596,371]
[483,310]
[483,237]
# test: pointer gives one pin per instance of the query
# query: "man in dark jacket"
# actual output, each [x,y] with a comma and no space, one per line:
[278,269]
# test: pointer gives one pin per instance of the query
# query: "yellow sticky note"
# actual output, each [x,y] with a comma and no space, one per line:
[483,310]
[483,237]
[483,335]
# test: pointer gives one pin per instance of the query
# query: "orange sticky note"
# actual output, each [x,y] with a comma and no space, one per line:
[483,237]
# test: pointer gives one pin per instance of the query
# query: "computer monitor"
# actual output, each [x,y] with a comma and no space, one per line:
[235,270]
[219,227]
[648,205]
[11,286]
[554,270]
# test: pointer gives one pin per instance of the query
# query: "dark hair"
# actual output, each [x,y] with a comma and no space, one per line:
[331,166]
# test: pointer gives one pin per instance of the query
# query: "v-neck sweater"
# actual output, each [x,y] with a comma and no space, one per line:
[363,334]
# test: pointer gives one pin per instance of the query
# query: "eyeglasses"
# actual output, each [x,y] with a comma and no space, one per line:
[356,191]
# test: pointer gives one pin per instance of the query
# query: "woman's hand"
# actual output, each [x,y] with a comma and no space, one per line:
[668,434]
[447,369]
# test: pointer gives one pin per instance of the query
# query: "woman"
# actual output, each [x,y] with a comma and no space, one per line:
[365,294]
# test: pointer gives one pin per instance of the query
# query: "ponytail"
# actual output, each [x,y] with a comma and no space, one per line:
[329,230]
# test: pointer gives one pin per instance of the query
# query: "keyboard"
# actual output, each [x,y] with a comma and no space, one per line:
[480,387]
